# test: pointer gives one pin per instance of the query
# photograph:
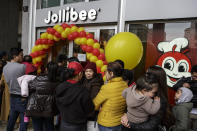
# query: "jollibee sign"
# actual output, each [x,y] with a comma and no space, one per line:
[70,14]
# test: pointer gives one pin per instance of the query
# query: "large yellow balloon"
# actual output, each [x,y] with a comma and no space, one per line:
[125,46]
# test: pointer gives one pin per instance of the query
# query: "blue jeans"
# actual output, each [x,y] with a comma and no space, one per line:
[17,108]
[43,123]
[72,127]
[115,128]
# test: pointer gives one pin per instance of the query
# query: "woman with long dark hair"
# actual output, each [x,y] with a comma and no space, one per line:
[73,101]
[41,103]
[163,117]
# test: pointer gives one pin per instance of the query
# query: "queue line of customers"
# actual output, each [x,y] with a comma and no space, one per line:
[82,99]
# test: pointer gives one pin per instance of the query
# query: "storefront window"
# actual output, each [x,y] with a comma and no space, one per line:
[175,41]
[50,3]
[105,35]
[72,1]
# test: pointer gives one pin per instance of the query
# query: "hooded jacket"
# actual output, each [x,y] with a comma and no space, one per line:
[182,110]
[181,113]
[139,107]
[73,102]
[41,102]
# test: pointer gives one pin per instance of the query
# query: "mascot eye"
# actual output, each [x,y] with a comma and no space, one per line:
[169,64]
[183,67]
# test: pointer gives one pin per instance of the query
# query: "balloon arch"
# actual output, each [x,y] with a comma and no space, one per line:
[71,32]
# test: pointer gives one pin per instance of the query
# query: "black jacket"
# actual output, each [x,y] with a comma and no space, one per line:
[41,102]
[73,102]
[193,88]
[93,86]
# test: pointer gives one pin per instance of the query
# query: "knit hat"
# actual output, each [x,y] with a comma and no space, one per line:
[76,66]
[92,66]
[186,95]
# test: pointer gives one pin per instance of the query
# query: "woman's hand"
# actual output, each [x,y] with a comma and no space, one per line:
[124,121]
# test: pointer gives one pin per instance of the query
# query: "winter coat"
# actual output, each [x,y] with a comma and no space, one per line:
[193,88]
[23,82]
[152,124]
[41,102]
[181,113]
[73,102]
[111,102]
[93,86]
[139,107]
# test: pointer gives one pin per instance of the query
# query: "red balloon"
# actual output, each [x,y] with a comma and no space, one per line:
[105,62]
[44,41]
[37,65]
[101,57]
[32,55]
[58,35]
[98,69]
[70,37]
[84,47]
[95,40]
[50,42]
[41,52]
[90,36]
[64,25]
[96,52]
[75,34]
[53,31]
[103,73]
[82,34]
[38,41]
[89,49]
[49,30]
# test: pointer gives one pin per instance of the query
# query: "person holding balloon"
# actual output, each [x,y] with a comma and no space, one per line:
[109,99]
[92,83]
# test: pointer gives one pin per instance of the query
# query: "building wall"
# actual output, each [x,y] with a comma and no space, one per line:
[9,15]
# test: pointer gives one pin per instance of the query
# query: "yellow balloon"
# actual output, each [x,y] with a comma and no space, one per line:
[60,29]
[38,59]
[93,58]
[89,55]
[44,35]
[56,39]
[68,31]
[34,61]
[56,26]
[64,34]
[90,42]
[80,29]
[96,45]
[125,46]
[104,78]
[101,50]
[74,29]
[77,41]
[39,47]
[83,40]
[104,68]
[50,37]
[99,63]
[45,46]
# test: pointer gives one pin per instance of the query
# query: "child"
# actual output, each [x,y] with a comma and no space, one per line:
[182,109]
[139,100]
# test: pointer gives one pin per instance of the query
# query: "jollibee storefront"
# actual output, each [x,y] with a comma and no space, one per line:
[167,30]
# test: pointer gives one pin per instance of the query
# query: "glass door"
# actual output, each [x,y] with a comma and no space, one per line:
[101,33]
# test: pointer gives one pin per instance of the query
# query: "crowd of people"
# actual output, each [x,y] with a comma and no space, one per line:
[72,96]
